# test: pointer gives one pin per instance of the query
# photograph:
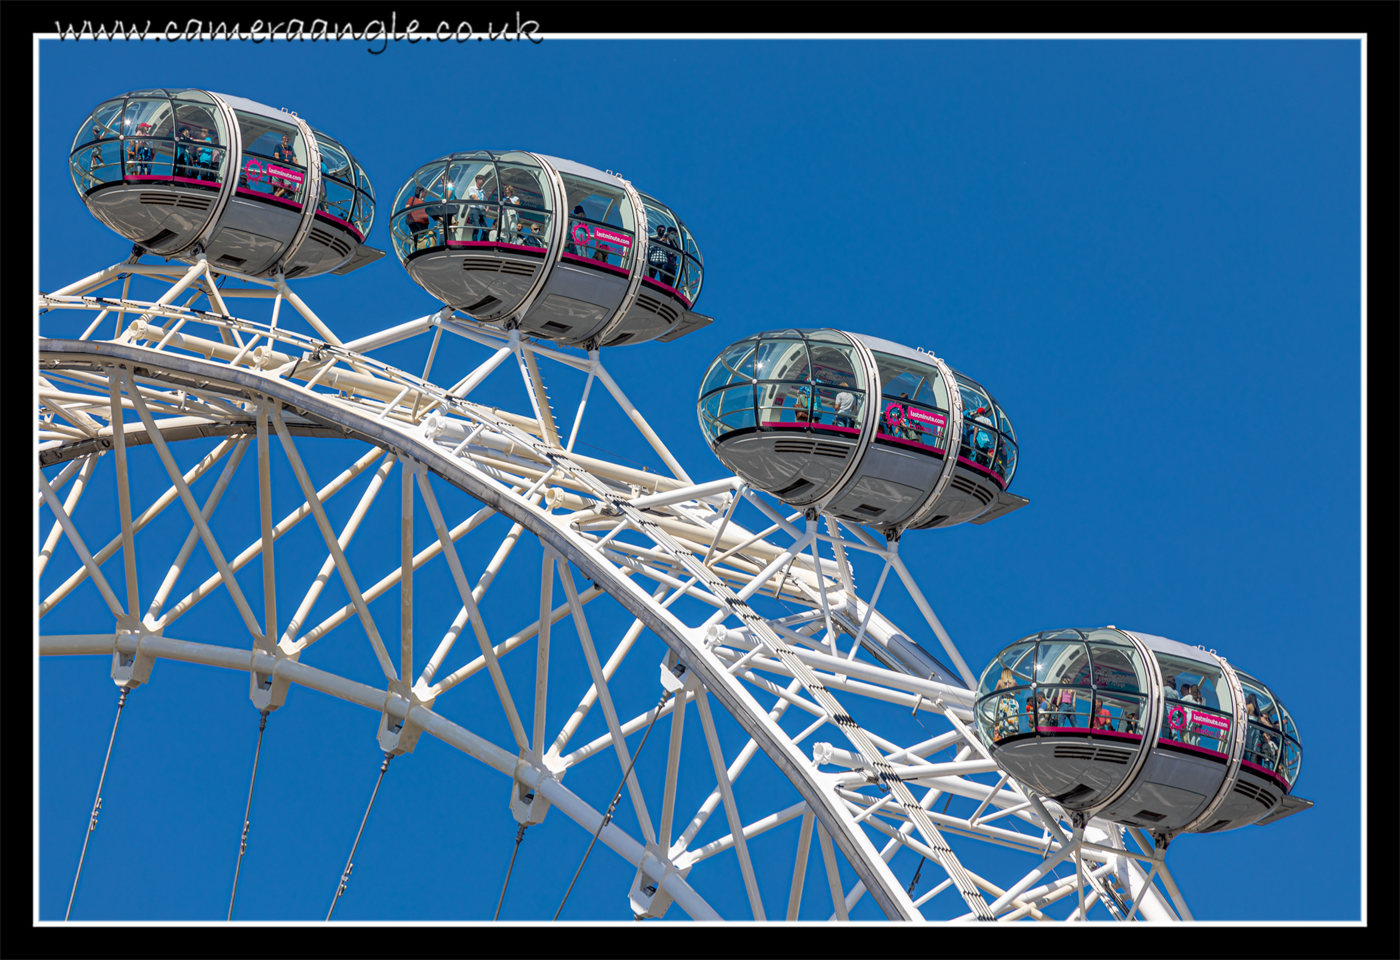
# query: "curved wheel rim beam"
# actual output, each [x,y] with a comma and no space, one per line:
[829,809]
[341,419]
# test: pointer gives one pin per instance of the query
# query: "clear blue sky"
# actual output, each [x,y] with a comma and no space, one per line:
[1149,251]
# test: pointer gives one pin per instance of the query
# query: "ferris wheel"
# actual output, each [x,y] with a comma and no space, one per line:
[757,596]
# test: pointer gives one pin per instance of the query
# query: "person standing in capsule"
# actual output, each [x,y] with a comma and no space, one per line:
[1008,721]
[845,403]
[476,215]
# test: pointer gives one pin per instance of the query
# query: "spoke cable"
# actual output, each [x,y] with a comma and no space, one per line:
[350,863]
[519,835]
[243,844]
[97,804]
[617,796]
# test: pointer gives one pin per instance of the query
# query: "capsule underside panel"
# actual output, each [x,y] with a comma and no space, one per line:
[888,486]
[1170,791]
[164,216]
[652,314]
[1074,774]
[575,304]
[252,235]
[1251,799]
[486,286]
[796,466]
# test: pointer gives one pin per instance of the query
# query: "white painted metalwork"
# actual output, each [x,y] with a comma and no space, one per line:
[713,598]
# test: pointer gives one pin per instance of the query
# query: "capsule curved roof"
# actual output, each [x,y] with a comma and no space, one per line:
[581,170]
[253,107]
[1172,648]
[908,353]
[471,155]
[558,163]
[889,346]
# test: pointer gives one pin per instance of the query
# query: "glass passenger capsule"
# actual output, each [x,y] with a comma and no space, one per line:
[575,255]
[860,428]
[1139,730]
[257,190]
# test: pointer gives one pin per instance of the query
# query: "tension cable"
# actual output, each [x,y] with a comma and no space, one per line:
[97,804]
[243,844]
[350,863]
[519,835]
[607,817]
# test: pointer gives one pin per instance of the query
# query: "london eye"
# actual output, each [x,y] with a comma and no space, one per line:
[199,420]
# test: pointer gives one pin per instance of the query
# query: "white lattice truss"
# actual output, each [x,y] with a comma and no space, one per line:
[175,372]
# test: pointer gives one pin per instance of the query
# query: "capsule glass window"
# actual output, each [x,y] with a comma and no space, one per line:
[726,411]
[733,365]
[1063,661]
[794,389]
[694,265]
[470,190]
[979,439]
[338,194]
[96,157]
[602,226]
[692,279]
[1199,710]
[1018,659]
[426,181]
[1117,667]
[914,403]
[1120,679]
[836,362]
[364,200]
[103,124]
[665,259]
[1006,714]
[1264,739]
[1004,685]
[1005,463]
[364,210]
[273,165]
[782,360]
[417,220]
[149,126]
[526,209]
[840,406]
[1063,674]
[201,143]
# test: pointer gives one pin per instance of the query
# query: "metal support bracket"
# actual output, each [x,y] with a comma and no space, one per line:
[647,898]
[267,690]
[131,666]
[398,734]
[527,806]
